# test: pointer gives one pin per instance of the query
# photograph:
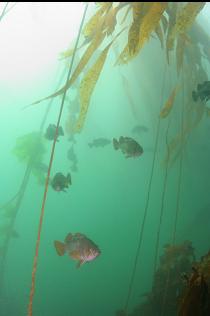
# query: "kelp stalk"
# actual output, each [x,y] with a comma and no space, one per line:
[4,11]
[20,194]
[30,307]
[162,202]
[177,205]
[18,197]
[142,226]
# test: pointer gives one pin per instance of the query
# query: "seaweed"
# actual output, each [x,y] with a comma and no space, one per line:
[195,299]
[31,149]
[169,21]
[175,260]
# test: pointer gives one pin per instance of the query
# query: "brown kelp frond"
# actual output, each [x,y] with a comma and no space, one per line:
[160,35]
[180,49]
[178,142]
[88,84]
[172,12]
[69,52]
[146,18]
[195,297]
[83,62]
[175,259]
[181,20]
[169,103]
[162,18]
[110,20]
[92,25]
[133,34]
[150,21]
[187,15]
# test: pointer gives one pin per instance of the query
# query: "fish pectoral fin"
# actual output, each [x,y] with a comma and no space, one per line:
[60,247]
[81,262]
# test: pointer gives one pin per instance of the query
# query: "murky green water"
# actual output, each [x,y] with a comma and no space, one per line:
[108,195]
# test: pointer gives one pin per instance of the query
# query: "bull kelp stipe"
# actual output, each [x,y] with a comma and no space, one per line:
[30,306]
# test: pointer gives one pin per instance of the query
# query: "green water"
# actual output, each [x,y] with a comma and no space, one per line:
[108,195]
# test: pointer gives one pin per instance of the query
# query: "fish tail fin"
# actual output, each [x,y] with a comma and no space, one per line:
[194,96]
[115,144]
[59,247]
[68,177]
[81,262]
[60,131]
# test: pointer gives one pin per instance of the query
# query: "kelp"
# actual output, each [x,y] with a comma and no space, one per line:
[87,86]
[31,149]
[141,29]
[180,48]
[6,229]
[150,21]
[187,15]
[160,35]
[92,25]
[170,22]
[177,144]
[83,62]
[133,33]
[195,298]
[126,14]
[164,23]
[175,260]
[183,20]
[170,38]
[110,21]
[201,36]
[69,52]
[193,73]
[169,103]
[9,210]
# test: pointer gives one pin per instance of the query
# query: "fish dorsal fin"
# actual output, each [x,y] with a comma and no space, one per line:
[81,262]
[60,247]
[68,238]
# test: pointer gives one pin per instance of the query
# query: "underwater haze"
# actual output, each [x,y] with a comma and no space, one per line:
[126,173]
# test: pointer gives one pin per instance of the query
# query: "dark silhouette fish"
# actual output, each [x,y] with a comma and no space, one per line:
[203,92]
[73,158]
[74,167]
[78,247]
[50,132]
[138,129]
[128,146]
[61,182]
[99,142]
[71,155]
